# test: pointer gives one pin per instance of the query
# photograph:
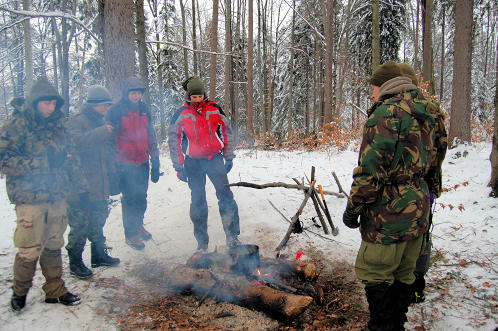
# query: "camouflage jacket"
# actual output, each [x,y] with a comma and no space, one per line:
[93,147]
[33,153]
[389,190]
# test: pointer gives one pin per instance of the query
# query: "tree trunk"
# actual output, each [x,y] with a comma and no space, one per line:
[28,51]
[291,69]
[443,52]
[427,43]
[229,107]
[416,64]
[460,100]
[119,48]
[214,49]
[194,39]
[250,70]
[375,35]
[494,151]
[142,47]
[184,39]
[329,51]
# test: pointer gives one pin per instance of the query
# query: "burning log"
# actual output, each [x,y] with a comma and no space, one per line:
[237,289]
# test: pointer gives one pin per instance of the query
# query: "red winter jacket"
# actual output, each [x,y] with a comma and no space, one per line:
[202,130]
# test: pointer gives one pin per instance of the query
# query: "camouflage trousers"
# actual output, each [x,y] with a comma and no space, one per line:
[39,236]
[86,221]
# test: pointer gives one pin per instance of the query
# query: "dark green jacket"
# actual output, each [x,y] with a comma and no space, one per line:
[33,153]
[388,187]
[93,146]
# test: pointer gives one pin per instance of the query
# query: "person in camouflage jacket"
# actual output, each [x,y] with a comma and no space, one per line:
[391,195]
[92,140]
[433,179]
[34,158]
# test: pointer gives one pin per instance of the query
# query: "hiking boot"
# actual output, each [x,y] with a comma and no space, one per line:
[76,266]
[101,258]
[135,242]
[234,241]
[17,302]
[67,299]
[144,234]
[418,290]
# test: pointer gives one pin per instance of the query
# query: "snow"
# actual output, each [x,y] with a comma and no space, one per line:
[461,292]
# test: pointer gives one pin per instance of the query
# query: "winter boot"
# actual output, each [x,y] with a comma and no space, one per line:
[76,266]
[101,258]
[381,308]
[418,290]
[17,302]
[135,242]
[401,297]
[144,234]
[67,299]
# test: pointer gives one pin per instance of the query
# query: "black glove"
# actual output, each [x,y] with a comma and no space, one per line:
[181,174]
[56,158]
[350,218]
[228,165]
[154,169]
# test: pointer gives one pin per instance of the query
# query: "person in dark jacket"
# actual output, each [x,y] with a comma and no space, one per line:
[391,195]
[92,142]
[200,144]
[135,144]
[34,158]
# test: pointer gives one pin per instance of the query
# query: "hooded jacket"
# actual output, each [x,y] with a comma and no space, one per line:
[33,150]
[388,187]
[199,130]
[135,136]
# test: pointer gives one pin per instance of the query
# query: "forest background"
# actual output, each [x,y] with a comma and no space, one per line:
[289,74]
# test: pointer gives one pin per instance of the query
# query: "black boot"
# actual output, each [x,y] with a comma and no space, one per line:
[101,258]
[17,302]
[76,266]
[401,296]
[381,308]
[67,299]
[418,290]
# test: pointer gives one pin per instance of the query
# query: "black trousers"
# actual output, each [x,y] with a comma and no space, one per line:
[134,183]
[196,170]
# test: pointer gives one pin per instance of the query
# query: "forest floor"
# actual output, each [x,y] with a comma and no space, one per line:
[461,292]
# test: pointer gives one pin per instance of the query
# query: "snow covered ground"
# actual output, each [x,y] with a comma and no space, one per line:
[462,292]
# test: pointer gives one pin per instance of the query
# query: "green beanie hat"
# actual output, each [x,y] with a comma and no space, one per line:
[194,86]
[385,72]
[408,71]
[98,95]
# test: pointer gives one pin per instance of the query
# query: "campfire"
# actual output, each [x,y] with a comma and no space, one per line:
[238,275]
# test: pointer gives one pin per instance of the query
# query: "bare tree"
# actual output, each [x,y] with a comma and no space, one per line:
[291,68]
[494,151]
[443,50]
[119,46]
[194,38]
[184,39]
[214,50]
[460,100]
[143,63]
[375,34]
[427,12]
[28,52]
[229,106]
[250,71]
[329,39]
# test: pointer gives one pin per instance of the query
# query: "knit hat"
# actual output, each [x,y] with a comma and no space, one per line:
[98,95]
[385,72]
[408,71]
[194,86]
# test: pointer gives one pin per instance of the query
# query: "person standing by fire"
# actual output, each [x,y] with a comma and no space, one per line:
[135,143]
[391,194]
[201,143]
[88,210]
[34,158]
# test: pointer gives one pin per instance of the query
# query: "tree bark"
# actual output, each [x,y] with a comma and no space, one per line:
[194,39]
[142,47]
[214,49]
[329,51]
[229,102]
[250,70]
[184,40]
[416,64]
[443,52]
[291,70]
[494,150]
[427,43]
[28,49]
[119,47]
[375,34]
[460,101]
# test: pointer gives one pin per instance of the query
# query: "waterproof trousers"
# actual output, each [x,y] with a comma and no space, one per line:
[196,170]
[134,183]
[39,237]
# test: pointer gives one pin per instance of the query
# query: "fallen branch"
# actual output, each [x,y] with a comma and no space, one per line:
[339,185]
[284,185]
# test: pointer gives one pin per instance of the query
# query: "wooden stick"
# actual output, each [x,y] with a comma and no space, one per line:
[284,185]
[315,203]
[338,184]
[295,218]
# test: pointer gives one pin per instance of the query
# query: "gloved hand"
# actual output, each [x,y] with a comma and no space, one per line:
[228,165]
[181,174]
[350,218]
[154,169]
[56,158]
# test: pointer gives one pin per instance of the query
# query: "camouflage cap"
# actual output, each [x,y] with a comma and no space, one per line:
[407,71]
[385,72]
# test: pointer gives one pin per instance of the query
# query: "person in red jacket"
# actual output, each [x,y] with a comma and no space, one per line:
[200,144]
[135,143]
